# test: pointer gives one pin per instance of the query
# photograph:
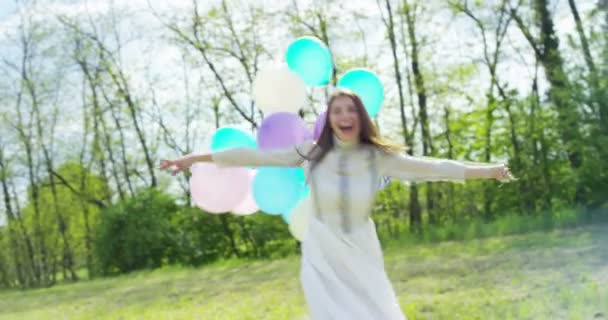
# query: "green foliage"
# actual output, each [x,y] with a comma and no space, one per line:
[70,204]
[136,233]
[197,236]
[4,266]
[389,208]
[150,230]
[269,236]
[203,238]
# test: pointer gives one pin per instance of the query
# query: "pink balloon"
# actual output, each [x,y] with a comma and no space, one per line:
[216,189]
[281,130]
[319,124]
[247,205]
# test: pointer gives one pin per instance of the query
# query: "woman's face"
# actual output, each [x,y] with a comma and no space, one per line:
[344,119]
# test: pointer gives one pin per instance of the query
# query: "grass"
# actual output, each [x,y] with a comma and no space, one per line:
[561,274]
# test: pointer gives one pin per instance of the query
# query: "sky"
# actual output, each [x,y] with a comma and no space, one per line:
[457,42]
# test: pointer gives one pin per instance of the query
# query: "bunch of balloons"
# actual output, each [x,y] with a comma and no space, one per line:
[280,92]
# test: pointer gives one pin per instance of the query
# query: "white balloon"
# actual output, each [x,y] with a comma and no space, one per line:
[298,223]
[279,89]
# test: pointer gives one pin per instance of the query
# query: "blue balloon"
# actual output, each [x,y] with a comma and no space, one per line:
[230,137]
[367,86]
[278,189]
[310,59]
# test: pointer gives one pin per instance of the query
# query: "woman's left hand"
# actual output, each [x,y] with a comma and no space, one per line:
[503,174]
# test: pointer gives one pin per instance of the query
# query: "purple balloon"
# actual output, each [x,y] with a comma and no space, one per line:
[282,130]
[319,124]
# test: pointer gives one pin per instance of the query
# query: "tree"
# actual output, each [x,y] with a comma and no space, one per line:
[497,95]
[216,36]
[29,35]
[598,96]
[408,136]
[546,49]
[121,94]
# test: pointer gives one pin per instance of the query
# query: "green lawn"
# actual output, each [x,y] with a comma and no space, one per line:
[557,275]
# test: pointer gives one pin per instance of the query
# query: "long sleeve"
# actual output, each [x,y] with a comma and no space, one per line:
[421,169]
[249,157]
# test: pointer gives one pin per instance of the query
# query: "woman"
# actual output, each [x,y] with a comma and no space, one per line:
[342,272]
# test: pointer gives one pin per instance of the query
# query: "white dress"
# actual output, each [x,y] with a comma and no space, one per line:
[342,273]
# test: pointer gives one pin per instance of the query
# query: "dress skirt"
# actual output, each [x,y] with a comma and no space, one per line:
[343,274]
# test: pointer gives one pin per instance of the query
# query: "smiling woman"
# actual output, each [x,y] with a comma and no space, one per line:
[344,118]
[342,270]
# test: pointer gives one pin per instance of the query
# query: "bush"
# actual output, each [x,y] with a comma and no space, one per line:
[199,237]
[135,234]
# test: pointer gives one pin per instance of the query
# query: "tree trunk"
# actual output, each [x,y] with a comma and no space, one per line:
[547,52]
[123,148]
[597,95]
[489,121]
[62,225]
[42,271]
[543,152]
[122,89]
[92,81]
[419,85]
[12,225]
[414,206]
[448,136]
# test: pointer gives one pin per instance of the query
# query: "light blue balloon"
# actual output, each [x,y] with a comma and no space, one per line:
[277,189]
[367,86]
[229,137]
[310,59]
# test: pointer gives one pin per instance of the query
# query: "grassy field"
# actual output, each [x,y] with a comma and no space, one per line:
[561,274]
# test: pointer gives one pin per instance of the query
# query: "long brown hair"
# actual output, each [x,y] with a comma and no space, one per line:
[368,134]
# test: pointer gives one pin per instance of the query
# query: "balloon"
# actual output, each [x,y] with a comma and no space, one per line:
[367,85]
[279,89]
[281,130]
[230,137]
[277,189]
[298,221]
[217,189]
[319,124]
[247,205]
[287,214]
[310,58]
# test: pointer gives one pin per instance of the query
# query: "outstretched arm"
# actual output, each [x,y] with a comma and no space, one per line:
[432,169]
[248,157]
[243,157]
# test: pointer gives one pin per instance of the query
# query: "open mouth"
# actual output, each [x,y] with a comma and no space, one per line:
[346,129]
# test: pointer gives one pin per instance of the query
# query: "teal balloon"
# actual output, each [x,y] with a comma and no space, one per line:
[230,137]
[278,189]
[287,214]
[367,86]
[310,59]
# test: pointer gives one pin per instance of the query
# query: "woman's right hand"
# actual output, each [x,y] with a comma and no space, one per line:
[179,164]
